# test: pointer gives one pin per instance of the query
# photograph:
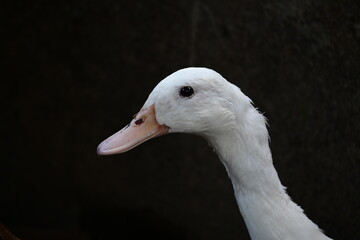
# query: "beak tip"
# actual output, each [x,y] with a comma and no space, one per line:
[101,150]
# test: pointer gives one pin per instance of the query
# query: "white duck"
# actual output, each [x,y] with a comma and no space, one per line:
[202,102]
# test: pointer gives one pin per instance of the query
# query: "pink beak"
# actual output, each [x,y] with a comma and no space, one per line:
[142,128]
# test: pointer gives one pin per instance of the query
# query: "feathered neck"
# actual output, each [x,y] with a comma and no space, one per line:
[268,211]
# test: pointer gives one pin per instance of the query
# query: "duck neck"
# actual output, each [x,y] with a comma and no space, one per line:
[267,210]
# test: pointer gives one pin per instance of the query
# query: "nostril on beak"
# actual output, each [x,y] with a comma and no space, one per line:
[139,122]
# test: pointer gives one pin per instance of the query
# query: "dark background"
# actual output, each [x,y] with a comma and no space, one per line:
[74,72]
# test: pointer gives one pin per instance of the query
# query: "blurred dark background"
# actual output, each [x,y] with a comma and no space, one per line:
[74,72]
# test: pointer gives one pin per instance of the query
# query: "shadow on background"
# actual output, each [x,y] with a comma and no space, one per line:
[129,224]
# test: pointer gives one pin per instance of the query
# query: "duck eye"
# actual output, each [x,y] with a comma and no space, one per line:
[186,91]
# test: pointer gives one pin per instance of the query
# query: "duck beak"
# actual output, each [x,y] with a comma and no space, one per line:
[142,128]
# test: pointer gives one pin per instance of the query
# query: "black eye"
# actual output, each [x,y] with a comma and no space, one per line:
[186,91]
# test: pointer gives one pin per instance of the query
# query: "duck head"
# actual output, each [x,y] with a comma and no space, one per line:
[192,100]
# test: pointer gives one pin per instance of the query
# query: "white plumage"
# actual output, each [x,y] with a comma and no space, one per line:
[225,117]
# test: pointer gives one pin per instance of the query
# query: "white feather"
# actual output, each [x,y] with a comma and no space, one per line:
[223,115]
